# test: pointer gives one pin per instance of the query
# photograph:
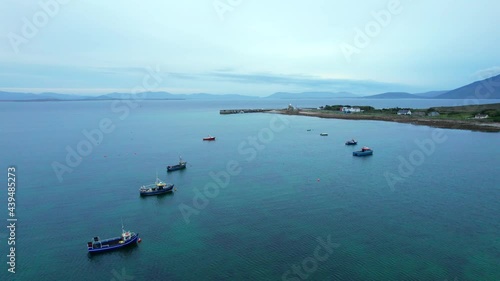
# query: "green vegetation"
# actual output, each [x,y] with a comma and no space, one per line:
[470,111]
[445,112]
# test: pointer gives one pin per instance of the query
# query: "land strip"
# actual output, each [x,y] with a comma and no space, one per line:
[432,122]
[483,118]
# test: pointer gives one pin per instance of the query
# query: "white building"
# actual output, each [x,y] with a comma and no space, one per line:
[350,109]
[404,112]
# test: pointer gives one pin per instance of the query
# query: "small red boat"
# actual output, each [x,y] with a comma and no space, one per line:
[209,138]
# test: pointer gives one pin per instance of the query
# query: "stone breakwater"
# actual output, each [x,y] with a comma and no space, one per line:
[236,111]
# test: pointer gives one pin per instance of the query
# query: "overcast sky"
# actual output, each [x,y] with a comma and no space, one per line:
[251,47]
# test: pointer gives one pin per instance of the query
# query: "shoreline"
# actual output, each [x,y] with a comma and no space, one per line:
[436,123]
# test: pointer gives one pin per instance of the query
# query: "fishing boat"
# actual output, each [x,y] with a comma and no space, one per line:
[351,142]
[365,151]
[324,134]
[158,187]
[180,166]
[209,138]
[127,238]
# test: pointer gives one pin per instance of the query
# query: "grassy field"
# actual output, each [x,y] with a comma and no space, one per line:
[467,112]
[457,117]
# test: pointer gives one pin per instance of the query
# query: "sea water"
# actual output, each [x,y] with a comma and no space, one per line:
[259,203]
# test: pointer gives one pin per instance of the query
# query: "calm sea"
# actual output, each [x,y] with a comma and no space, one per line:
[270,199]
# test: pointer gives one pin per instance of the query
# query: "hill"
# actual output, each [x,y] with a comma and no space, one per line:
[431,94]
[12,96]
[17,96]
[139,96]
[311,95]
[394,95]
[56,96]
[485,89]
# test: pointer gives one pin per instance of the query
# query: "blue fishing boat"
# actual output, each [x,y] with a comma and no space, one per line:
[365,151]
[180,166]
[158,187]
[351,142]
[127,238]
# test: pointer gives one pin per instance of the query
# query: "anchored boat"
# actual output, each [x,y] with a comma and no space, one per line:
[209,138]
[365,151]
[351,142]
[127,238]
[180,166]
[158,187]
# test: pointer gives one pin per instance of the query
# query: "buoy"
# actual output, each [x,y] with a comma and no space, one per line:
[318,179]
[139,240]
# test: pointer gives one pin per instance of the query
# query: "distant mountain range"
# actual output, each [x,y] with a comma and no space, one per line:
[404,95]
[311,95]
[12,96]
[485,89]
[169,96]
[394,95]
[431,94]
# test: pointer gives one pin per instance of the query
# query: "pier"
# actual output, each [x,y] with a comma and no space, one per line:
[236,111]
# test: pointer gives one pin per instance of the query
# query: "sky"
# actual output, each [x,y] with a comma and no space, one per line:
[248,47]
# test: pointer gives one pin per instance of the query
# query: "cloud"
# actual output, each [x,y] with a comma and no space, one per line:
[300,81]
[487,72]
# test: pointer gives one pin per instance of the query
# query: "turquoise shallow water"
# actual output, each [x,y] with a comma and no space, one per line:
[439,222]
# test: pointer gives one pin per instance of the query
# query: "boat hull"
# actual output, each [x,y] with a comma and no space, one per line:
[112,244]
[362,153]
[209,139]
[350,143]
[176,167]
[157,192]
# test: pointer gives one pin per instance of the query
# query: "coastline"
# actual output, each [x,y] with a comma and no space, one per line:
[470,125]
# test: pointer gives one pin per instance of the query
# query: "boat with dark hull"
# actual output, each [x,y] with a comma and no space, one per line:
[351,142]
[209,138]
[365,151]
[127,238]
[180,166]
[157,188]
